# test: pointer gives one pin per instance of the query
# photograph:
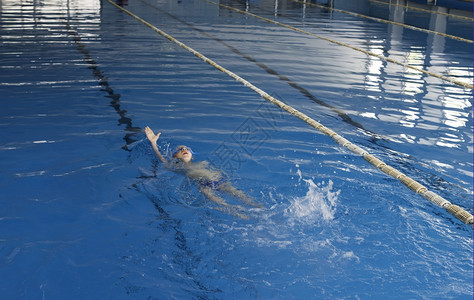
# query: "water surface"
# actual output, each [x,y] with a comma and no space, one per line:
[88,212]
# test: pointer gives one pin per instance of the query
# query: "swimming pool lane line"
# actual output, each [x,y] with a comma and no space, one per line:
[423,10]
[340,113]
[386,21]
[442,77]
[180,240]
[103,81]
[415,186]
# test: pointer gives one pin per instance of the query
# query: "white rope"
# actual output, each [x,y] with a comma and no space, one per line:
[424,10]
[386,21]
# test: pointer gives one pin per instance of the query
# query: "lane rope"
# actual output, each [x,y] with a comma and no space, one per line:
[386,21]
[442,77]
[424,10]
[453,209]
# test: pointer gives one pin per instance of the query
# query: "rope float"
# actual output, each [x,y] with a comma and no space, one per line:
[453,209]
[386,21]
[457,82]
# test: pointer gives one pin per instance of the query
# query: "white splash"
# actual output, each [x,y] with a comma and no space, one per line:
[319,202]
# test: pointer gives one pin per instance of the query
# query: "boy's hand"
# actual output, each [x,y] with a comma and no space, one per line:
[151,135]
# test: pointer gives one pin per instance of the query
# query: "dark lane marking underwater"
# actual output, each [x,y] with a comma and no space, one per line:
[103,81]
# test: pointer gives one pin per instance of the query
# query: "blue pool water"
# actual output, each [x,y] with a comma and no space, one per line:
[88,212]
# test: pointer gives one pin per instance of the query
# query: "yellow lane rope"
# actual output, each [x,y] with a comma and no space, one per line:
[453,209]
[424,10]
[386,21]
[442,77]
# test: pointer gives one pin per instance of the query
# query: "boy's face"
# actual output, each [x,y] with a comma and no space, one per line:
[184,153]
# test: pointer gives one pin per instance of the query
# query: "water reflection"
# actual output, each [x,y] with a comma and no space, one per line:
[413,82]
[451,109]
[375,67]
[452,117]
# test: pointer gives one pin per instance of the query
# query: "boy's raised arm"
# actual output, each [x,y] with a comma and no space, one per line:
[153,139]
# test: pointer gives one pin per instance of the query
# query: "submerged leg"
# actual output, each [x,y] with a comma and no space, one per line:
[209,193]
[232,209]
[227,187]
